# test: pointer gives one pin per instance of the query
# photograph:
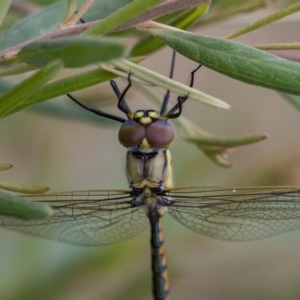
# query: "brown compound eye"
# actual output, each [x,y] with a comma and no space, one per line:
[131,133]
[159,134]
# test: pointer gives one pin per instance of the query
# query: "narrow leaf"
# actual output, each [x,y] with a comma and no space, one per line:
[33,25]
[14,69]
[4,167]
[266,20]
[162,10]
[21,208]
[216,148]
[181,20]
[63,86]
[167,83]
[74,52]
[22,188]
[292,99]
[236,60]
[126,13]
[24,91]
[227,142]
[4,6]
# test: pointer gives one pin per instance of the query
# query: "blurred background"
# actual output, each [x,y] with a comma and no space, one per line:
[72,155]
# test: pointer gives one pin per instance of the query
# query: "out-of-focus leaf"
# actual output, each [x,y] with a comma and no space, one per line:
[13,69]
[167,83]
[18,207]
[223,9]
[74,52]
[63,86]
[214,147]
[26,89]
[122,15]
[33,25]
[181,20]
[101,9]
[23,188]
[4,5]
[236,60]
[266,20]
[4,167]
[294,100]
[227,141]
[20,188]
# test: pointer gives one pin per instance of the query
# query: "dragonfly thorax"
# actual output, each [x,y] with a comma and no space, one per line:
[146,129]
[152,170]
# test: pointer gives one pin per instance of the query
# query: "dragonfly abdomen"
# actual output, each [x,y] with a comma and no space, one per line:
[160,276]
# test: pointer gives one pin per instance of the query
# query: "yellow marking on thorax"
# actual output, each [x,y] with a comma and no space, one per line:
[169,178]
[146,145]
[137,115]
[153,114]
[145,120]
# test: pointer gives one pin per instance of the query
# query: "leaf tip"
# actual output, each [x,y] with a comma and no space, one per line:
[6,166]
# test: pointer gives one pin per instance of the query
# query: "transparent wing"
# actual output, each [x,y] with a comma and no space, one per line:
[85,217]
[240,214]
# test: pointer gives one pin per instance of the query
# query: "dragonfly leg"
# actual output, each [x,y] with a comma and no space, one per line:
[97,111]
[122,105]
[167,94]
[176,110]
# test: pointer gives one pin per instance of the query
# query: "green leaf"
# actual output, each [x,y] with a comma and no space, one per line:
[227,141]
[20,188]
[33,25]
[4,6]
[236,60]
[100,9]
[182,20]
[215,147]
[4,167]
[21,208]
[26,89]
[74,52]
[23,188]
[16,68]
[167,83]
[266,20]
[63,86]
[292,99]
[225,9]
[124,14]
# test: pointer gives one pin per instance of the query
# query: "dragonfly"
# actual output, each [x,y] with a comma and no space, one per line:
[100,217]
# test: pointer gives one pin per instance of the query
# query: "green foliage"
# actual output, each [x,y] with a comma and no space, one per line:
[228,57]
[20,208]
[74,52]
[26,89]
[37,49]
[53,39]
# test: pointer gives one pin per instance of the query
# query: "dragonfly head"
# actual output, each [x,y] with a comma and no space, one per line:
[146,128]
